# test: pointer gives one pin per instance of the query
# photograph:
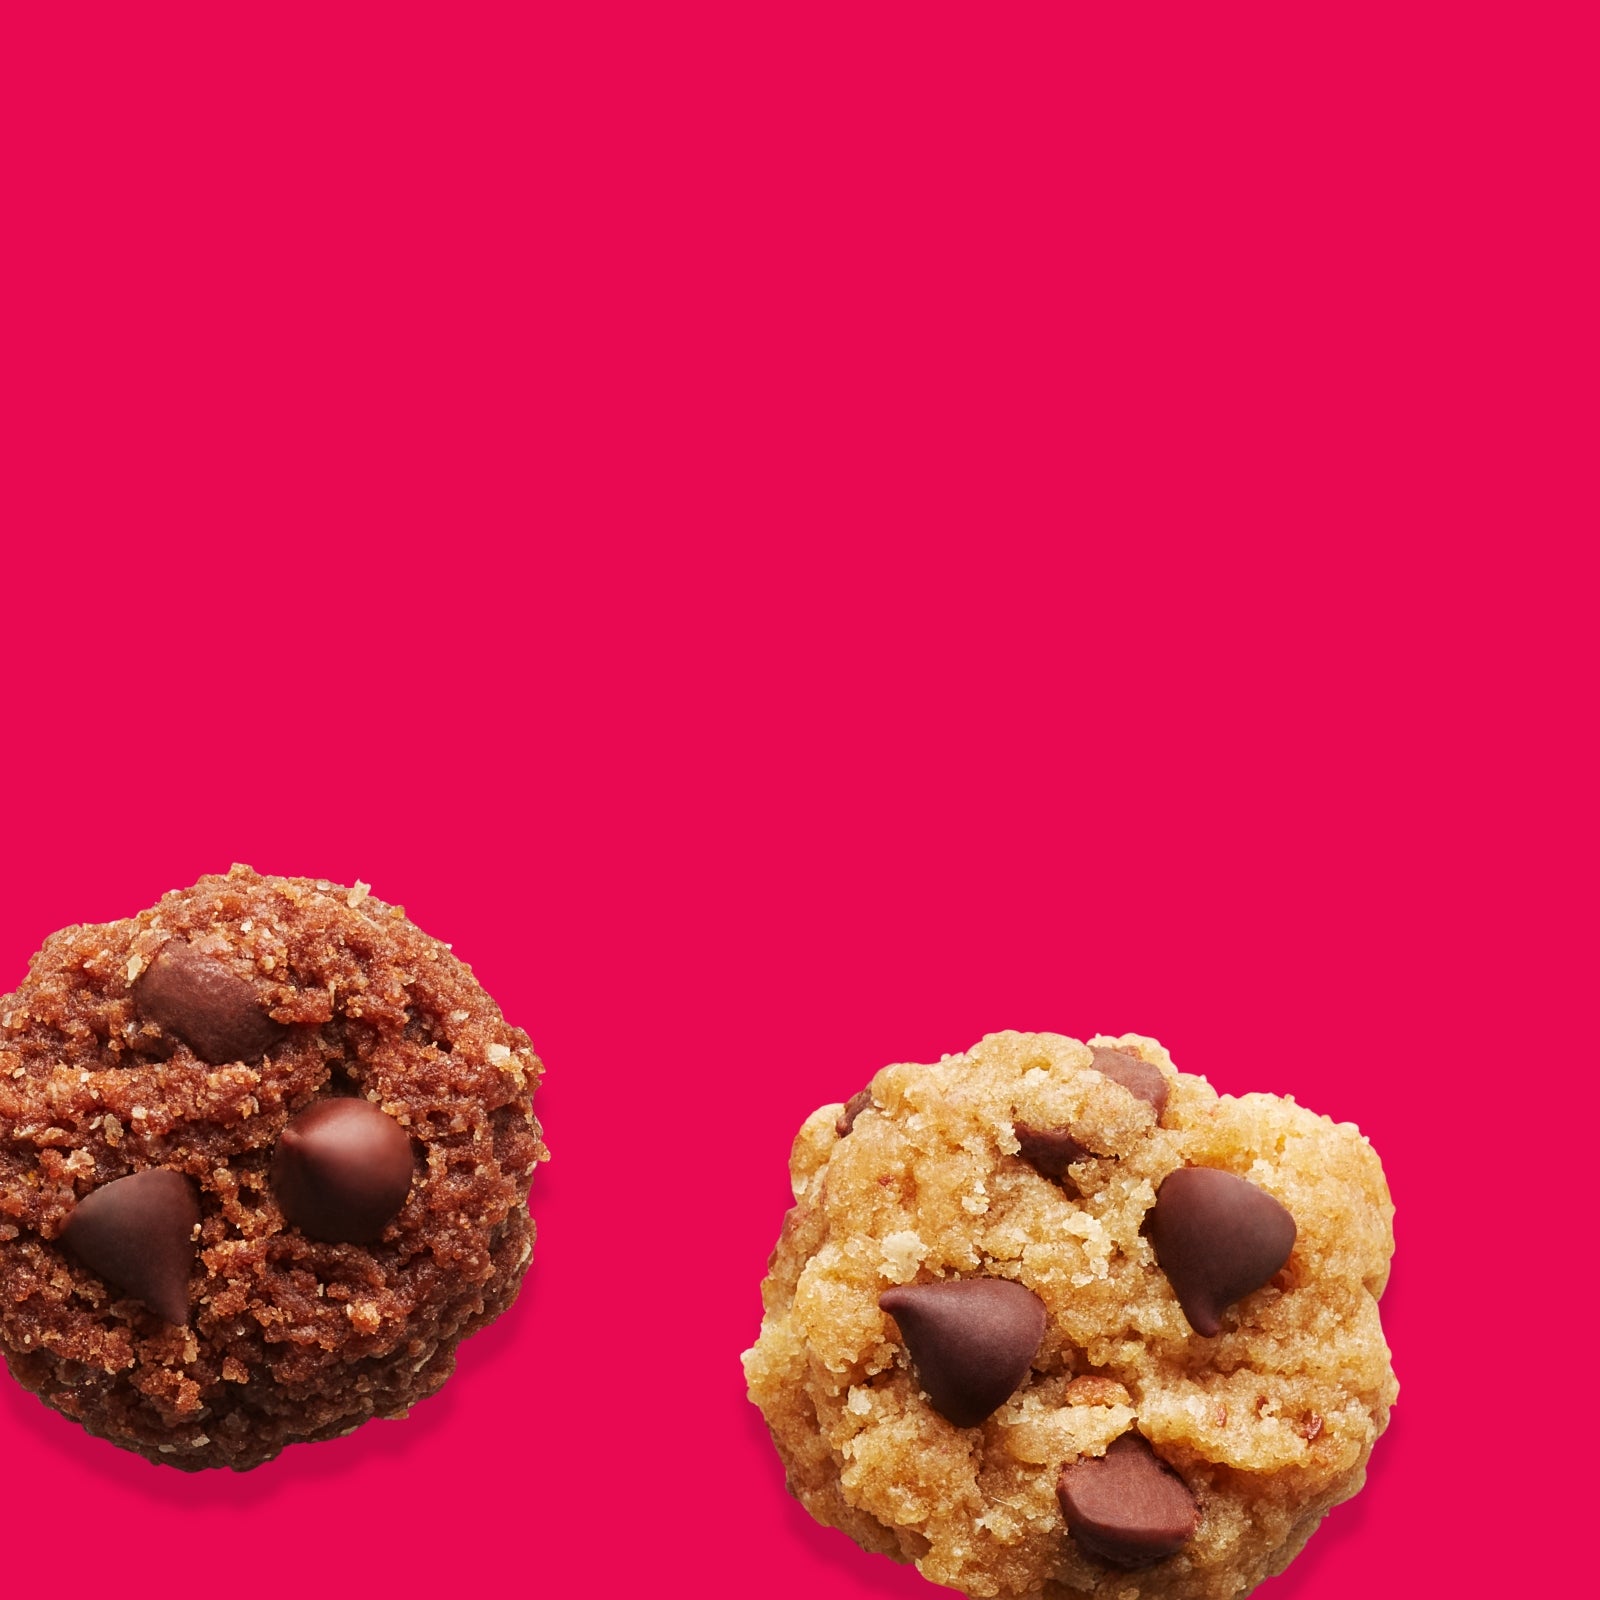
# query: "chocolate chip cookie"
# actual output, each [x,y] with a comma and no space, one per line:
[264,1162]
[1052,1318]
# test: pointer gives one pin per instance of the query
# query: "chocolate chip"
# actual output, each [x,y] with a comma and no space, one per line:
[1218,1238]
[1050,1150]
[211,1009]
[342,1169]
[138,1234]
[970,1341]
[853,1107]
[1138,1077]
[1128,1507]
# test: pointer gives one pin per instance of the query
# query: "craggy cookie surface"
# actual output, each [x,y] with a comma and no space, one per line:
[264,1162]
[1059,1424]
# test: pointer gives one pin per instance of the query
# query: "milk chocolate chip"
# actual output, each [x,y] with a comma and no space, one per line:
[1128,1507]
[211,1009]
[1138,1077]
[138,1234]
[853,1107]
[1050,1150]
[341,1170]
[970,1341]
[1217,1238]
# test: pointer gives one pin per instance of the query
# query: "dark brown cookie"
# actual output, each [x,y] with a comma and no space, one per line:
[264,1162]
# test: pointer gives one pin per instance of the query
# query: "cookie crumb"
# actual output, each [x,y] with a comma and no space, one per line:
[903,1253]
[1090,1389]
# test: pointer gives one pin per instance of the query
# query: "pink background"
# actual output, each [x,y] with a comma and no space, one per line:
[796,543]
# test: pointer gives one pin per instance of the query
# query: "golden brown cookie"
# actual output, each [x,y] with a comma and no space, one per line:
[1183,1371]
[264,1163]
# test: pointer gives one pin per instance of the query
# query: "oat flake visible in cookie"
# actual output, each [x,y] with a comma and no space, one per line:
[183,1041]
[1267,1423]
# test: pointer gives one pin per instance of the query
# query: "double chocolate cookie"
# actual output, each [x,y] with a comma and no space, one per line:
[1054,1319]
[264,1162]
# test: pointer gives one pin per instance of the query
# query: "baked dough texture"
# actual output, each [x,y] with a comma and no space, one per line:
[1269,1423]
[287,1337]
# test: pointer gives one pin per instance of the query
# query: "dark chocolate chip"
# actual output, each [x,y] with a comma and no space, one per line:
[214,1011]
[853,1107]
[1218,1238]
[1050,1150]
[1137,1077]
[971,1341]
[138,1234]
[1128,1507]
[342,1170]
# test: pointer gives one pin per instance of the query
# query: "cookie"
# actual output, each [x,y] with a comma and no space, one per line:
[1052,1318]
[264,1162]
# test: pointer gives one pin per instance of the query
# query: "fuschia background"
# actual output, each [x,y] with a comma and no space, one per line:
[797,537]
